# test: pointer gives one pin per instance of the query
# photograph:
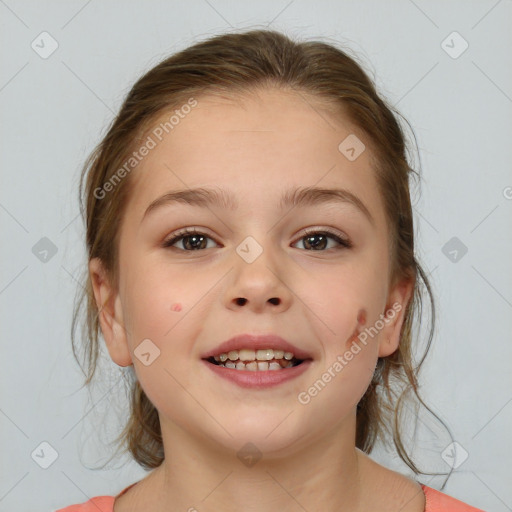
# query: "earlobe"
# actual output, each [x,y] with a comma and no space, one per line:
[394,317]
[110,314]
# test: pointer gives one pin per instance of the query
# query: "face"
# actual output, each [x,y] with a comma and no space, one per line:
[314,273]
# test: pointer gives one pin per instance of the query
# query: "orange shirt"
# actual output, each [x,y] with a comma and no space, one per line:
[436,501]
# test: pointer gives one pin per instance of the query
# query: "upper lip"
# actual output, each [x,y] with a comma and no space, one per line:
[255,342]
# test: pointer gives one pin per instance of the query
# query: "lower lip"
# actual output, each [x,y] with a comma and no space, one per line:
[259,379]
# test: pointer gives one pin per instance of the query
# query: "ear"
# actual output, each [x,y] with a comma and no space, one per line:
[394,316]
[110,314]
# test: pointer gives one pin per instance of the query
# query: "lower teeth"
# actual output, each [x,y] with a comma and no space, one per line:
[257,366]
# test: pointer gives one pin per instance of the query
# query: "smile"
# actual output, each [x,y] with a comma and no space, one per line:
[257,373]
[256,360]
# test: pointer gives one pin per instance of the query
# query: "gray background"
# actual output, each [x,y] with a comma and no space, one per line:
[55,109]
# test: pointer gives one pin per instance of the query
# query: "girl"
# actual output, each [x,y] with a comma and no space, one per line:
[251,260]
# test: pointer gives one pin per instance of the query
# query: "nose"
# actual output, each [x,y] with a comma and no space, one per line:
[261,285]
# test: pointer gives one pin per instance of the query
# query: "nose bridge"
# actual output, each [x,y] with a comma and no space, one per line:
[257,280]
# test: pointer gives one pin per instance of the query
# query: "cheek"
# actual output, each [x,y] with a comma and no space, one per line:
[350,362]
[166,309]
[154,310]
[158,293]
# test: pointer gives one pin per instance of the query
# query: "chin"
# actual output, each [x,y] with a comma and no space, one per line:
[266,433]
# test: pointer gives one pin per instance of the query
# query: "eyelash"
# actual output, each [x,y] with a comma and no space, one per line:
[345,243]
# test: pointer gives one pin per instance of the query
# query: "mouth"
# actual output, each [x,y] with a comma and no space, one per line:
[257,361]
[260,360]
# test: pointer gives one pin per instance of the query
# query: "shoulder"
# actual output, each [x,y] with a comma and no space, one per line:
[404,492]
[437,501]
[395,489]
[97,504]
[388,490]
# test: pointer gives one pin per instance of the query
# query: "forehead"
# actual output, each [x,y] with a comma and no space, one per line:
[256,145]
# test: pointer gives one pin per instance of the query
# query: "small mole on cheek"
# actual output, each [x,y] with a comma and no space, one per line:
[176,307]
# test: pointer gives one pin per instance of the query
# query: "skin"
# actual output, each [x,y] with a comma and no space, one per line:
[256,146]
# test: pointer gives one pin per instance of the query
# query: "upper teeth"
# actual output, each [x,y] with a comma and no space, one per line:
[246,354]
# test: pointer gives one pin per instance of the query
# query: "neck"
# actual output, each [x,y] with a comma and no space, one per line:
[324,475]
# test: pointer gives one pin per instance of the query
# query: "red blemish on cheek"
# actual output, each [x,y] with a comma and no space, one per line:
[361,316]
[176,307]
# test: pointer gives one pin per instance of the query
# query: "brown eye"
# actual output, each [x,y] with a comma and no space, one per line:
[318,240]
[192,240]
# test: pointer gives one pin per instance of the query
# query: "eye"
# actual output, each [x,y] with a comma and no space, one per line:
[193,240]
[317,239]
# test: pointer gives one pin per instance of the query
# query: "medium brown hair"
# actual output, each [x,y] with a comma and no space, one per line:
[239,63]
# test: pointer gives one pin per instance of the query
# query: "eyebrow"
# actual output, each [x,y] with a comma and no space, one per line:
[204,197]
